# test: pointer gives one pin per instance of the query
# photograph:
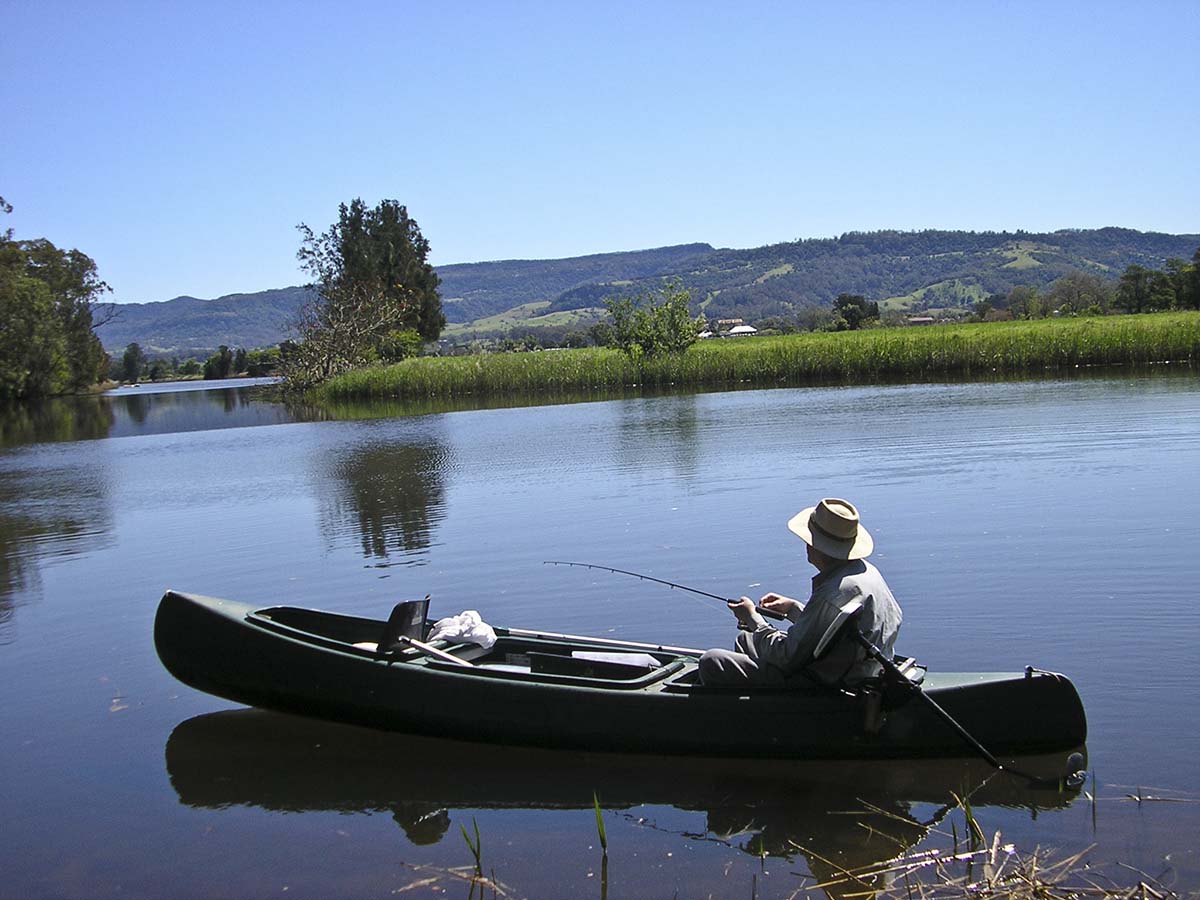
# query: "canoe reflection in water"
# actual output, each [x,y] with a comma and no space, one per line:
[838,816]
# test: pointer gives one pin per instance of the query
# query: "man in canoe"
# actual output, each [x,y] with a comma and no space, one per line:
[837,547]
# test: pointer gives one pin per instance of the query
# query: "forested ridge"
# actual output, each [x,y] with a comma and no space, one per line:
[190,326]
[914,269]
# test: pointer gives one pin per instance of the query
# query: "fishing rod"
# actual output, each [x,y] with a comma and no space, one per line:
[1074,776]
[768,613]
[1072,779]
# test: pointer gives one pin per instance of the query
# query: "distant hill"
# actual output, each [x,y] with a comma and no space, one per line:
[476,290]
[187,326]
[913,270]
[916,269]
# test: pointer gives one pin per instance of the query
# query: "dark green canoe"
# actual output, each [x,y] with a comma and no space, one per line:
[564,691]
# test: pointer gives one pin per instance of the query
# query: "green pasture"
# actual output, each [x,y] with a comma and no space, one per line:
[528,314]
[1021,253]
[777,272]
[883,354]
[952,293]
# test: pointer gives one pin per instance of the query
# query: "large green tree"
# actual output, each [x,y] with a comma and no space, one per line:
[1191,289]
[48,310]
[1080,292]
[372,279]
[220,364]
[852,311]
[133,361]
[1134,289]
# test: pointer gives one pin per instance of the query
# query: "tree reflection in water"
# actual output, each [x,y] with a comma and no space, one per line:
[57,419]
[45,511]
[835,816]
[660,431]
[391,495]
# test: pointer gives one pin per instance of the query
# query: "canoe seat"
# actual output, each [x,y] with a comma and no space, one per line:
[407,620]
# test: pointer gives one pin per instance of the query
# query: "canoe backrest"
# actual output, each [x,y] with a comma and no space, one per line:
[407,620]
[846,618]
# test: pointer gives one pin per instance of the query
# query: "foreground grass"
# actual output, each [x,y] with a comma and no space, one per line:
[952,865]
[1002,348]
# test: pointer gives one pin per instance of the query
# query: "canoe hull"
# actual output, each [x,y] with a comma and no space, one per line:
[216,646]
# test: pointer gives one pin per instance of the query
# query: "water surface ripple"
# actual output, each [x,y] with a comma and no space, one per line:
[1050,523]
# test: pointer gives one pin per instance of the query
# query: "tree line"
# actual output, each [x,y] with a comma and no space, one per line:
[135,365]
[1139,289]
[377,300]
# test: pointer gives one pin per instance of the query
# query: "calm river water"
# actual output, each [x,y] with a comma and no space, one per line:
[1052,523]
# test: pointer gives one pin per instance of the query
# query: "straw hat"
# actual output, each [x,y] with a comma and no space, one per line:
[832,527]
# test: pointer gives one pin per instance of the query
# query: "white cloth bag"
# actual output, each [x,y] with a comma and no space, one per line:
[465,628]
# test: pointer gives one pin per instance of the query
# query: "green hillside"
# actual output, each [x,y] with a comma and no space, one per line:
[911,271]
[473,291]
[778,279]
[187,326]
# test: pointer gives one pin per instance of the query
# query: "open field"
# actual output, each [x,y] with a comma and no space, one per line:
[953,293]
[528,314]
[1003,348]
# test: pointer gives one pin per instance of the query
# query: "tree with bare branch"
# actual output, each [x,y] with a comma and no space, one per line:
[371,282]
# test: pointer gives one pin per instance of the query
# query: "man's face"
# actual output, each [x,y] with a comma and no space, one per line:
[819,560]
[815,556]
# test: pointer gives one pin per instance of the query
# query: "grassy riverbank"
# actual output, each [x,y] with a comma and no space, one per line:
[1003,348]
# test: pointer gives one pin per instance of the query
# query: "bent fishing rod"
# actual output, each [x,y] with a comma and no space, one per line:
[768,613]
[1073,777]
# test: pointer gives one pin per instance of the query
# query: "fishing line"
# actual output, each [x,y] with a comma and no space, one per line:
[770,614]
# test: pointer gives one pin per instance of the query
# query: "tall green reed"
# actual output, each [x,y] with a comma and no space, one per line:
[1000,348]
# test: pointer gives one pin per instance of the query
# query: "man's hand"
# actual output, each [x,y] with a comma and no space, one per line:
[747,617]
[778,603]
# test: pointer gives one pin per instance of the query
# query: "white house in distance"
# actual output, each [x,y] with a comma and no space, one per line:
[741,330]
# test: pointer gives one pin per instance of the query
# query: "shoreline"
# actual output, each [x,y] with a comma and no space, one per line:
[887,355]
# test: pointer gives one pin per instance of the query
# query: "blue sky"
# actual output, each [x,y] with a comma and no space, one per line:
[180,144]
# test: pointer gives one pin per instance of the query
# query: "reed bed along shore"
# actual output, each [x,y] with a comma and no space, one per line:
[881,354]
[953,865]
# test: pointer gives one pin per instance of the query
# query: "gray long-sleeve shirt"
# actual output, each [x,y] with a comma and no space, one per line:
[792,650]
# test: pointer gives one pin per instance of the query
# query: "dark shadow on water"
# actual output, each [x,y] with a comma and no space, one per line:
[835,816]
